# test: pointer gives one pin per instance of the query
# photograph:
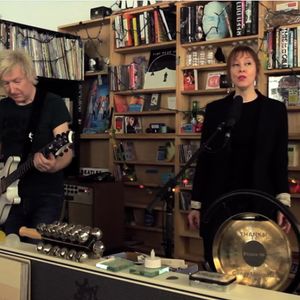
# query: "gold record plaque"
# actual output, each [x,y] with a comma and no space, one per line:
[255,250]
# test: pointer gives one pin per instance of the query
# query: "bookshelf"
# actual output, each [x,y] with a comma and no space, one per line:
[187,243]
[94,150]
[144,232]
[287,71]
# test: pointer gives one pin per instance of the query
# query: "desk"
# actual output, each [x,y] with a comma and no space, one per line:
[59,279]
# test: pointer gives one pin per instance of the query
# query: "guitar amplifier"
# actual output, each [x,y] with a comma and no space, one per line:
[98,204]
[80,202]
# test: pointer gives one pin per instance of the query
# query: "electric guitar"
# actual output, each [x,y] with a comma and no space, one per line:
[12,172]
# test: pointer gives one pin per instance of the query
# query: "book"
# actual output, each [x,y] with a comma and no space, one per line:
[129,150]
[213,80]
[161,71]
[98,114]
[214,20]
[171,102]
[151,102]
[285,88]
[132,124]
[161,153]
[120,104]
[188,80]
[136,103]
[185,200]
[119,124]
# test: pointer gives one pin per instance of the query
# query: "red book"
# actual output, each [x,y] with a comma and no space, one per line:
[120,104]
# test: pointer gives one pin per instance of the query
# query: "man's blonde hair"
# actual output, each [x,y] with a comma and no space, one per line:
[12,58]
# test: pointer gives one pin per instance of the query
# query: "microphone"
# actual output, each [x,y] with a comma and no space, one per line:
[234,115]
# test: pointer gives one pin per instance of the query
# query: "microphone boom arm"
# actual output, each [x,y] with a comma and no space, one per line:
[166,191]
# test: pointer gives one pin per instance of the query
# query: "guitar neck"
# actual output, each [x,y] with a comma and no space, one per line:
[18,173]
[56,147]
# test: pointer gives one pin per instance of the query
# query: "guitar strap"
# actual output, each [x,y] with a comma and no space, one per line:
[34,121]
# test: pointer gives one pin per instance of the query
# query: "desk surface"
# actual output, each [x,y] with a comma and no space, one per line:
[179,285]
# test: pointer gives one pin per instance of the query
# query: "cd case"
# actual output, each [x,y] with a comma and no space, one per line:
[148,272]
[114,264]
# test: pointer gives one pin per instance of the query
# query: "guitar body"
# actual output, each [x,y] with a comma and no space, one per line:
[12,171]
[11,195]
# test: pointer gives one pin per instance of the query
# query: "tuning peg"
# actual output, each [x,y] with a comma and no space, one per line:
[40,247]
[97,233]
[98,249]
[81,256]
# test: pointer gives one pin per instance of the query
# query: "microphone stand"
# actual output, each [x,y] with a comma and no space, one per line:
[166,192]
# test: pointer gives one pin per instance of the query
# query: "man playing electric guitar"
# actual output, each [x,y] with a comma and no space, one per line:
[30,118]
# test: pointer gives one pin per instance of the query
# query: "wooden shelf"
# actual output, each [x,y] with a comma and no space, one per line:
[146,228]
[145,136]
[94,136]
[146,91]
[294,169]
[95,73]
[295,109]
[147,113]
[82,24]
[294,136]
[212,67]
[282,71]
[206,92]
[143,48]
[142,206]
[191,234]
[225,41]
[145,163]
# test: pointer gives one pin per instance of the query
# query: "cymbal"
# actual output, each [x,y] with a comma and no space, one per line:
[255,250]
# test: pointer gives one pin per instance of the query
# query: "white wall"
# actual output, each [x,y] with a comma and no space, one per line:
[49,14]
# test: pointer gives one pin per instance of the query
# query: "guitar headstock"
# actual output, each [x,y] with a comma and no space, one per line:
[60,144]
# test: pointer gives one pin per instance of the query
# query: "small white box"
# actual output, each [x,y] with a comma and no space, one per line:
[293,155]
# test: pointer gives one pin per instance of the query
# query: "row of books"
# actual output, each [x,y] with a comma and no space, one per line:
[217,20]
[136,103]
[125,4]
[124,151]
[54,55]
[283,50]
[143,28]
[127,77]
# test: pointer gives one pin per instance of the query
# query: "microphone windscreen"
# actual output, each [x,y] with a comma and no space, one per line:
[235,111]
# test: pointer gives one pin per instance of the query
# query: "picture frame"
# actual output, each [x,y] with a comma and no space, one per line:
[132,124]
[213,80]
[152,102]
